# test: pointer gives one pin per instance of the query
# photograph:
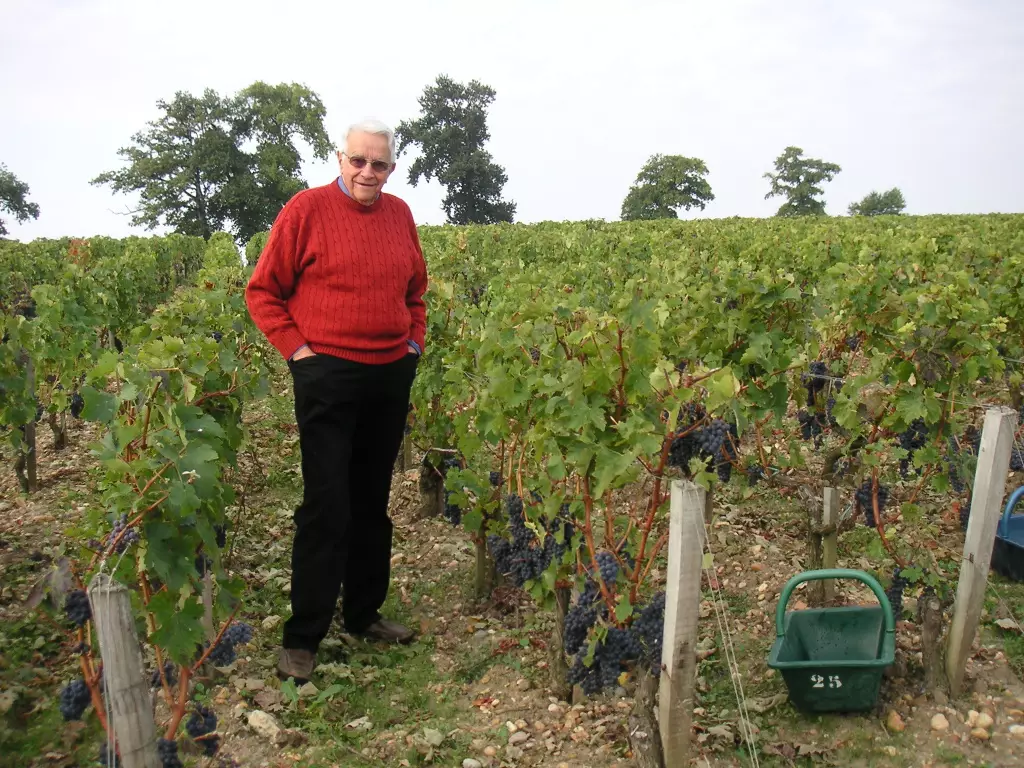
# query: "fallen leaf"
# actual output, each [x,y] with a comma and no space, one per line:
[360,724]
[1009,624]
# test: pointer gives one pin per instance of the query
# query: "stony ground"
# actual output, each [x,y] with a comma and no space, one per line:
[474,689]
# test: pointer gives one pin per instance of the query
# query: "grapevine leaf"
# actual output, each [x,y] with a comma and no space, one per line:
[473,520]
[105,365]
[722,388]
[179,627]
[99,406]
[624,609]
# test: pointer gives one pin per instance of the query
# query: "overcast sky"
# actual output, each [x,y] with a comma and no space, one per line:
[926,95]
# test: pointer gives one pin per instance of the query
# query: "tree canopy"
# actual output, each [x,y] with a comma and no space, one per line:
[210,162]
[890,203]
[797,179]
[665,184]
[14,199]
[450,133]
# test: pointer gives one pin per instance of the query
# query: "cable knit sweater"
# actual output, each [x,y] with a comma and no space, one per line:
[345,278]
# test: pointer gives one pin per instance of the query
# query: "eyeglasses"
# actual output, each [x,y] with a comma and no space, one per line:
[379,166]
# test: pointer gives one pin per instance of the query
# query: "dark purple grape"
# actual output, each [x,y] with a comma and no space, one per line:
[77,607]
[74,698]
[167,751]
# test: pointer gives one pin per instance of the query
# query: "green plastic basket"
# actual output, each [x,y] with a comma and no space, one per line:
[833,659]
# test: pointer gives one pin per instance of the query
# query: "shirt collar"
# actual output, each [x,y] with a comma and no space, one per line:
[341,183]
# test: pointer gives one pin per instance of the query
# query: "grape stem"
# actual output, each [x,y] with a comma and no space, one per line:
[588,533]
[220,393]
[93,681]
[178,712]
[147,594]
[652,510]
[149,410]
[879,523]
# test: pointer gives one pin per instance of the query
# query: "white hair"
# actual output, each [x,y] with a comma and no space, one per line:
[376,127]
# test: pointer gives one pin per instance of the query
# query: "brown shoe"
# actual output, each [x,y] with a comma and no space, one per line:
[388,631]
[297,663]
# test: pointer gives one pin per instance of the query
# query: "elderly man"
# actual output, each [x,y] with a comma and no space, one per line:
[338,291]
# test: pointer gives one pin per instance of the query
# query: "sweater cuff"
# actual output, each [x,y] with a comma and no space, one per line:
[288,343]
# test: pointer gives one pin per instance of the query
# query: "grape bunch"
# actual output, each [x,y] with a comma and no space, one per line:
[1017,457]
[911,440]
[239,633]
[755,473]
[711,438]
[167,751]
[74,698]
[619,647]
[221,532]
[729,455]
[217,336]
[524,558]
[864,499]
[495,478]
[895,592]
[581,616]
[608,567]
[535,354]
[810,426]
[816,380]
[830,404]
[712,441]
[77,607]
[852,343]
[640,642]
[649,628]
[170,673]
[127,540]
[201,726]
[77,405]
[452,512]
[970,445]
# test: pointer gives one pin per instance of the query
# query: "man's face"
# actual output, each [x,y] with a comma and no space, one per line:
[366,150]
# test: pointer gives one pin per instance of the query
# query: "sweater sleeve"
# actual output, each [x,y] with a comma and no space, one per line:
[273,282]
[417,287]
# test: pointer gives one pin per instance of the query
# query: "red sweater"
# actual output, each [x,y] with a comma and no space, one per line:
[345,278]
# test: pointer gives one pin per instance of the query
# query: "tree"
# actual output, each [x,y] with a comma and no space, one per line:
[210,161]
[450,134]
[665,183]
[14,199]
[797,179]
[889,203]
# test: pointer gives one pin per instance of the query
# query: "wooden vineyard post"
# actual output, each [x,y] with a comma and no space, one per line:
[126,690]
[406,453]
[557,668]
[25,466]
[830,540]
[682,604]
[986,506]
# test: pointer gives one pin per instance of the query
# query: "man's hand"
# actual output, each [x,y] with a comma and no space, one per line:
[412,349]
[303,352]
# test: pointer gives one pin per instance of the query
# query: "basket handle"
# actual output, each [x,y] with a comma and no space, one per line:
[833,573]
[1004,524]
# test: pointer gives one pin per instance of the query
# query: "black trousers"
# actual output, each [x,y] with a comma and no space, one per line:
[351,418]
